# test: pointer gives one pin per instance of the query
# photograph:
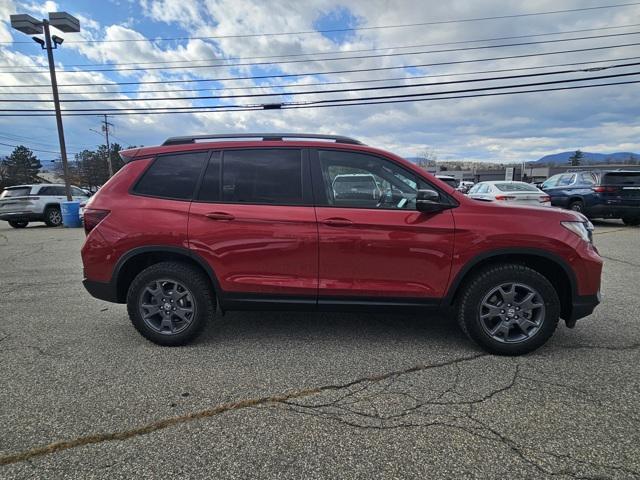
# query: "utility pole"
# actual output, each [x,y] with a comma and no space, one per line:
[66,23]
[105,129]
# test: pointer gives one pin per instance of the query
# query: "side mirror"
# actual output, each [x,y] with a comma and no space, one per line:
[429,201]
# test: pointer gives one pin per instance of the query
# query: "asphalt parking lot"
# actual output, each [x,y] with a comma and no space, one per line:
[292,395]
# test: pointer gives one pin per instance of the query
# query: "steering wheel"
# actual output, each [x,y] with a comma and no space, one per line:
[387,194]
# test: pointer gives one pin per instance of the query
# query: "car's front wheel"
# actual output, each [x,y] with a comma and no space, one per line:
[631,221]
[170,303]
[18,223]
[509,309]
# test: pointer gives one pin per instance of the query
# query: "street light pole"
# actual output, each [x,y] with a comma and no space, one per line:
[56,102]
[65,23]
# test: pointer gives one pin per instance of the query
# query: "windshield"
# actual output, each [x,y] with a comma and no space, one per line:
[621,178]
[515,187]
[16,192]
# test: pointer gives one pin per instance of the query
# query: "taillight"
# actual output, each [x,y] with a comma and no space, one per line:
[603,188]
[505,197]
[544,198]
[92,217]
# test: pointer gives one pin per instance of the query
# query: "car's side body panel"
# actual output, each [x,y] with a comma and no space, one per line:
[384,253]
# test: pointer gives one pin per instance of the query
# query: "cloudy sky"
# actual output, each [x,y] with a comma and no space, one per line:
[166,48]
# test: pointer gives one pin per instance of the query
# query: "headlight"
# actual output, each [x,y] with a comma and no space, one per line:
[583,229]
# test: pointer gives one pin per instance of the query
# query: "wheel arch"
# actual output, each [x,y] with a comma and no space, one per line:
[136,260]
[551,266]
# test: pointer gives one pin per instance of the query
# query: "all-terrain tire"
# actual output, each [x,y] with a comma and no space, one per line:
[474,292]
[201,298]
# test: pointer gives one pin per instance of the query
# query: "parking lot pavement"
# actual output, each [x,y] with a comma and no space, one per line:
[299,395]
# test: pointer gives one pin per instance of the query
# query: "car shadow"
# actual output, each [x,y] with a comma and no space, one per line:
[337,327]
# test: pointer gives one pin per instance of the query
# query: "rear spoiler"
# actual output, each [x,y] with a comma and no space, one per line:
[128,155]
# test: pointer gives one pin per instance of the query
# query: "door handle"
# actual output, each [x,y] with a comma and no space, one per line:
[337,222]
[219,216]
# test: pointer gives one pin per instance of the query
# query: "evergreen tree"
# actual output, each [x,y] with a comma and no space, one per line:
[576,159]
[22,166]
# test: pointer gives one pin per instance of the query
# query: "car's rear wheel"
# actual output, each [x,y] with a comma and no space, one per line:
[53,217]
[631,221]
[576,206]
[509,309]
[18,223]
[170,303]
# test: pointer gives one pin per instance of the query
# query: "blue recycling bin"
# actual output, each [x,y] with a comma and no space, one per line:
[71,214]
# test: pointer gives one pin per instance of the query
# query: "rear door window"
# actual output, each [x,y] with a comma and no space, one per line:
[587,178]
[172,176]
[271,176]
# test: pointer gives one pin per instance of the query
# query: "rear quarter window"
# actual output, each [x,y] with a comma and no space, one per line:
[172,176]
[15,192]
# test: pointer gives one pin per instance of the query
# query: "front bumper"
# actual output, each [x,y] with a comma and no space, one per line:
[581,307]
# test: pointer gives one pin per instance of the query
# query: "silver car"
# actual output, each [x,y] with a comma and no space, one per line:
[517,192]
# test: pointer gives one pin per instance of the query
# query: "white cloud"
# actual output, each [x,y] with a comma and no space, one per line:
[508,128]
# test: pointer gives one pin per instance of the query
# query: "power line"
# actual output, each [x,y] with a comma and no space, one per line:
[318,102]
[330,59]
[350,29]
[291,107]
[33,149]
[312,92]
[294,55]
[360,70]
[344,82]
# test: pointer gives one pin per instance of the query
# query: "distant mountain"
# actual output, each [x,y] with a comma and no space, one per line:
[562,158]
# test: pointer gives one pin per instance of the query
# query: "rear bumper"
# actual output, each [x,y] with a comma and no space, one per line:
[21,216]
[613,211]
[101,290]
[581,307]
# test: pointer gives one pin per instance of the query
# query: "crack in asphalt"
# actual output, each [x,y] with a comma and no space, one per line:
[344,410]
[214,411]
[626,262]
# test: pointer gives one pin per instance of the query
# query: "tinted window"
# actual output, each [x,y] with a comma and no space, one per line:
[210,189]
[172,176]
[16,192]
[360,180]
[54,191]
[621,178]
[452,182]
[263,176]
[76,191]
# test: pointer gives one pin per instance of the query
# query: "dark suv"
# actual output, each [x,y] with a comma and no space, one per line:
[205,224]
[598,193]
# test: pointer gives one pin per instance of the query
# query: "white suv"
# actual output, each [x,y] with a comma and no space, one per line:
[22,204]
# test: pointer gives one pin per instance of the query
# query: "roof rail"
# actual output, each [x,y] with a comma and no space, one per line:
[263,136]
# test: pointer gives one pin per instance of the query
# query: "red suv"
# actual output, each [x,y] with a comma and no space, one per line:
[251,222]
